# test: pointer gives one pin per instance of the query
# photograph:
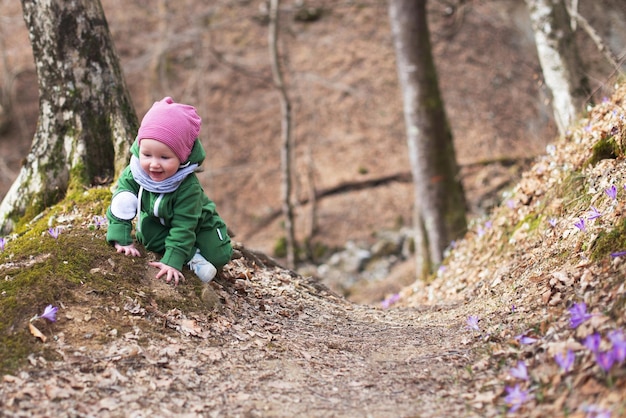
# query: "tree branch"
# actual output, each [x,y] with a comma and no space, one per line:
[596,38]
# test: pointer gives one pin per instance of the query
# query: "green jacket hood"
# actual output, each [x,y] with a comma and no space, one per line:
[197,155]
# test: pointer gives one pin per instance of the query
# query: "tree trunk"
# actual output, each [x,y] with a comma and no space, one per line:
[86,119]
[439,199]
[286,129]
[560,62]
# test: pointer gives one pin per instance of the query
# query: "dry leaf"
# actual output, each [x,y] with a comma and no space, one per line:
[36,332]
[57,392]
[483,398]
[7,378]
[190,327]
[591,387]
[213,354]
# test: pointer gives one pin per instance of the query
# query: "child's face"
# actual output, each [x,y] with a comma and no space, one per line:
[157,159]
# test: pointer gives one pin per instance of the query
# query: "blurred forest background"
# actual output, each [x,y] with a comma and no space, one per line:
[342,79]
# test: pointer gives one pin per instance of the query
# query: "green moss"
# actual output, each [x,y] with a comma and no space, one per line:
[316,251]
[605,148]
[78,178]
[36,205]
[45,271]
[91,202]
[531,222]
[608,242]
[95,200]
[573,192]
[280,248]
[319,251]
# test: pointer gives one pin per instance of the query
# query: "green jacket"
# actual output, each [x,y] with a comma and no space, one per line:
[168,222]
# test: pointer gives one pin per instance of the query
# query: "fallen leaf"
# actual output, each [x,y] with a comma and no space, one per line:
[57,392]
[7,378]
[481,399]
[591,387]
[190,327]
[36,332]
[213,354]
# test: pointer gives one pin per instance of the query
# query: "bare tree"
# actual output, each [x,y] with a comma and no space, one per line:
[156,79]
[560,62]
[86,121]
[286,129]
[439,201]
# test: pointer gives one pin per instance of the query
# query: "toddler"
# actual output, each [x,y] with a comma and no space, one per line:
[160,187]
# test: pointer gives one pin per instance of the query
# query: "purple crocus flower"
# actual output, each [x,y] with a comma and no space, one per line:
[618,254]
[565,361]
[605,360]
[616,335]
[619,351]
[54,232]
[592,342]
[580,224]
[619,345]
[516,397]
[472,322]
[578,314]
[593,213]
[99,221]
[552,222]
[50,313]
[526,340]
[594,411]
[520,371]
[611,192]
[3,242]
[510,203]
[390,300]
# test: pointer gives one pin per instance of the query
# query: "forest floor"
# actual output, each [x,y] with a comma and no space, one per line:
[480,340]
[277,345]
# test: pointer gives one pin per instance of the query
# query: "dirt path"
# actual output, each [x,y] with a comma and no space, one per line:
[273,344]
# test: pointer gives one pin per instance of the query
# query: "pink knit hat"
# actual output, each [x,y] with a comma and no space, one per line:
[175,124]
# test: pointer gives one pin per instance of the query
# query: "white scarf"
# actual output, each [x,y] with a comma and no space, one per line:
[166,186]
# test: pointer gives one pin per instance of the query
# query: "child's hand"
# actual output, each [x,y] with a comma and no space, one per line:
[127,250]
[168,271]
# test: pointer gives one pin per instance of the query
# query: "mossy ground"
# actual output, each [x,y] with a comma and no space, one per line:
[70,270]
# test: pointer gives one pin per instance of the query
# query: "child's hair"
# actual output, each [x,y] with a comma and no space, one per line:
[175,124]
